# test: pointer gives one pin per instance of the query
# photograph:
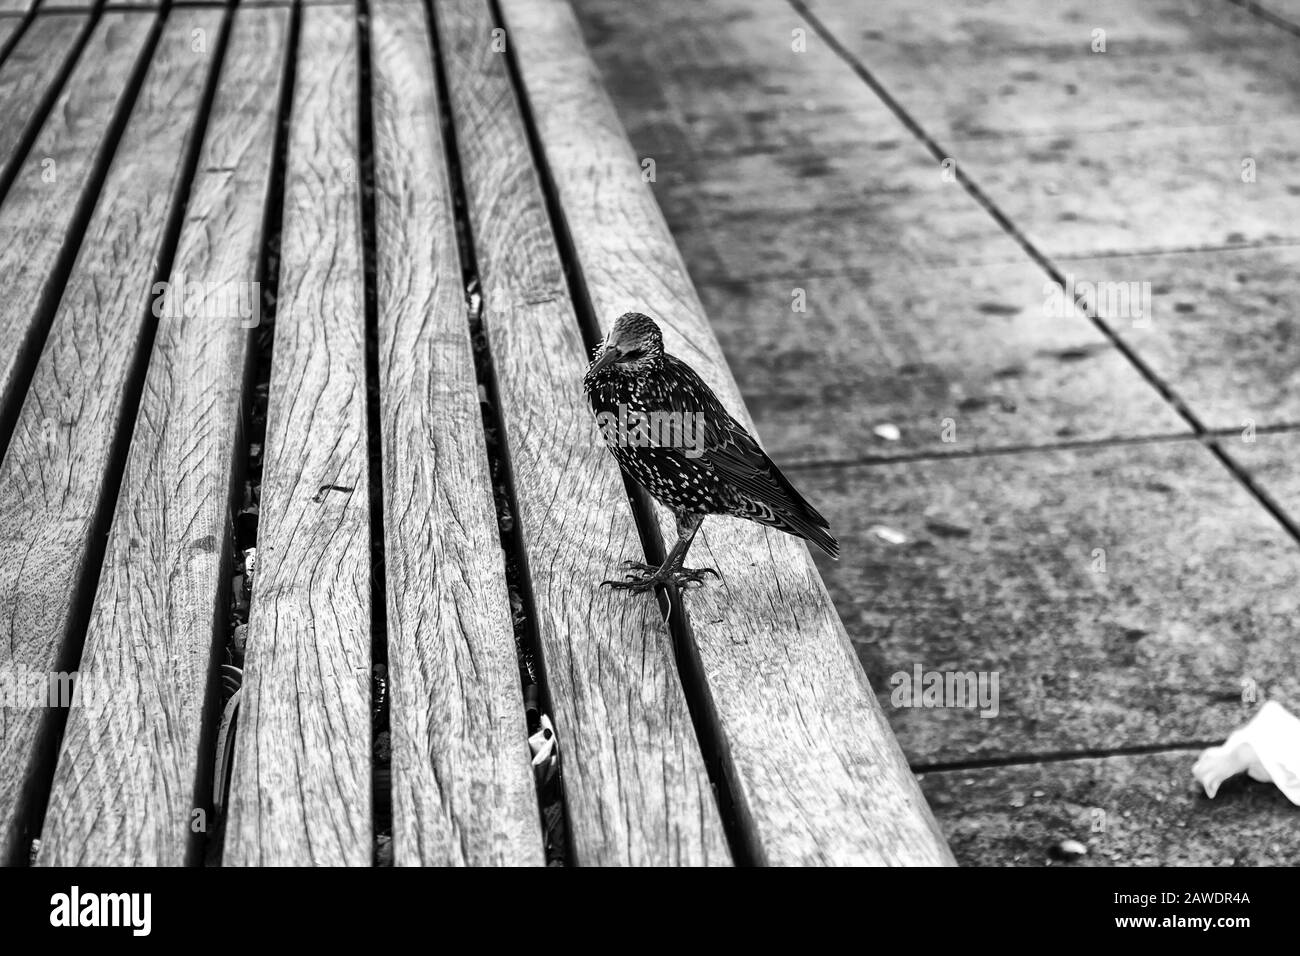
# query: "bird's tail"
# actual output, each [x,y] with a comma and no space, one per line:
[824,540]
[802,519]
[811,527]
[795,516]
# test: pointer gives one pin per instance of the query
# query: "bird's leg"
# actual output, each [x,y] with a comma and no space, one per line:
[671,571]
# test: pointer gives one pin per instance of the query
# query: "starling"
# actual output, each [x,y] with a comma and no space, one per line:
[670,432]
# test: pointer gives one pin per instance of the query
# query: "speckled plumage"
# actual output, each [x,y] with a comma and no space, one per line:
[731,475]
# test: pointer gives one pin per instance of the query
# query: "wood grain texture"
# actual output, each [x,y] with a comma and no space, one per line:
[124,789]
[813,765]
[27,78]
[463,791]
[55,470]
[52,182]
[301,790]
[635,782]
[54,474]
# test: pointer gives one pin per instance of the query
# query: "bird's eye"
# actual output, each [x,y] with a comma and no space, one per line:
[633,355]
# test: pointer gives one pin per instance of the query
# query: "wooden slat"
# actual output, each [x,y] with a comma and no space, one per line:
[635,782]
[813,765]
[301,787]
[9,27]
[50,185]
[53,470]
[463,791]
[27,78]
[124,791]
[17,7]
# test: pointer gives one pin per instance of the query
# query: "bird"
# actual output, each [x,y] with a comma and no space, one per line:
[672,435]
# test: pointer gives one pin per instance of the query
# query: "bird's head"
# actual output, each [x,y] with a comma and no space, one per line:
[633,345]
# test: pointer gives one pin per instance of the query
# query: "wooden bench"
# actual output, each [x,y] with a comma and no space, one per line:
[443,212]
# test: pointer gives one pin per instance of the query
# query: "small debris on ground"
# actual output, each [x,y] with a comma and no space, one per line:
[888,535]
[542,744]
[1068,850]
[1267,749]
[946,529]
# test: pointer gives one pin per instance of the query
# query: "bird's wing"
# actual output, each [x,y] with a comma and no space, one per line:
[730,450]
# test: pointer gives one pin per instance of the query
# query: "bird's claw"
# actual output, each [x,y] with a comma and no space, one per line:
[650,576]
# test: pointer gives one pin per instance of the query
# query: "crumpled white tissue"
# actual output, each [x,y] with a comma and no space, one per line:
[1267,748]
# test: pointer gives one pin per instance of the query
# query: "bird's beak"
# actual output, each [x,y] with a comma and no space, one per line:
[607,358]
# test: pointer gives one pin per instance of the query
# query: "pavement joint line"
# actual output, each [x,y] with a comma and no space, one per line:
[995,452]
[1268,16]
[1207,438]
[1154,251]
[911,268]
[1062,756]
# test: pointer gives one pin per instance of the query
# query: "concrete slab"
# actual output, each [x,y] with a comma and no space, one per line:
[1217,327]
[1012,68]
[957,360]
[1127,596]
[1149,191]
[778,198]
[1272,461]
[1001,26]
[772,215]
[1128,811]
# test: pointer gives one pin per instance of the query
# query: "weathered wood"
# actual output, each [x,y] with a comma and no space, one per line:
[27,78]
[124,791]
[50,187]
[63,5]
[463,790]
[636,787]
[55,471]
[815,770]
[301,789]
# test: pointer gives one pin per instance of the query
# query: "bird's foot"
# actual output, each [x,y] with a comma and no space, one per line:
[643,577]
